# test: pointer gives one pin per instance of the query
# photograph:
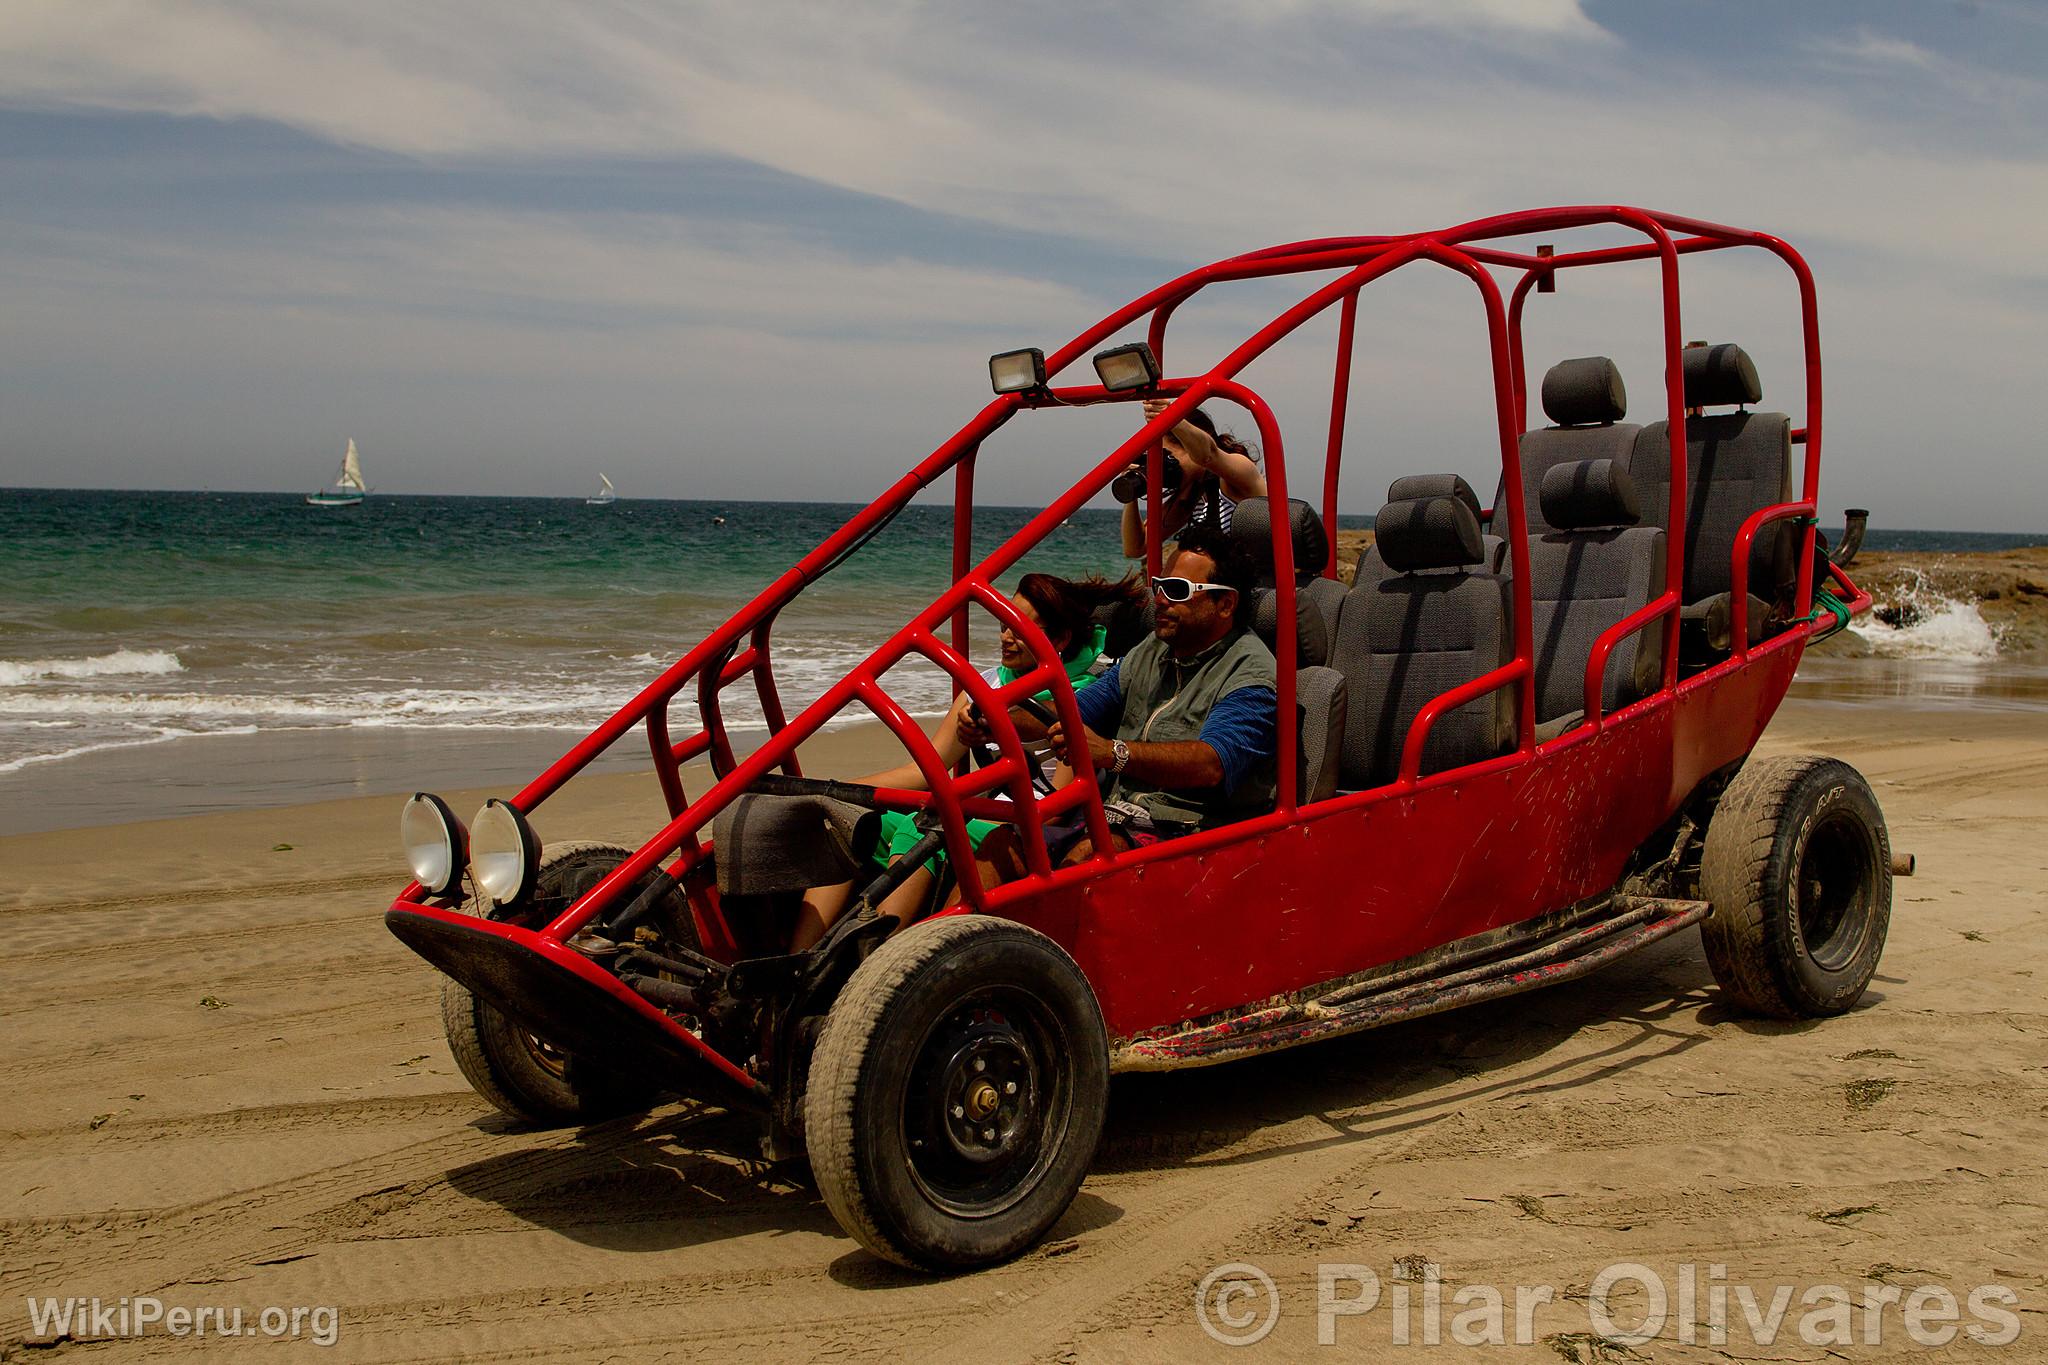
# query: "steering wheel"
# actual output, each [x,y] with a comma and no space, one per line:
[985,754]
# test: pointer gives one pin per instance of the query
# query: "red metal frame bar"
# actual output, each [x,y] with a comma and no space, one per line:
[1596,663]
[1514,670]
[1340,402]
[1858,601]
[963,541]
[1738,589]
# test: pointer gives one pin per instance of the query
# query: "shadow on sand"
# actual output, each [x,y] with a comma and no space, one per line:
[683,1175]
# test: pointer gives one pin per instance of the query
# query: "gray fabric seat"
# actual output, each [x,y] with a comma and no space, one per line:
[1316,598]
[1406,639]
[1736,463]
[1320,693]
[1587,401]
[1596,568]
[1322,706]
[1495,556]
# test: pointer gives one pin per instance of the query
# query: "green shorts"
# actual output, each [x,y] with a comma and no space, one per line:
[900,833]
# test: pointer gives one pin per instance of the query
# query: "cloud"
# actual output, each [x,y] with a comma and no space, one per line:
[1110,128]
[1869,49]
[1118,137]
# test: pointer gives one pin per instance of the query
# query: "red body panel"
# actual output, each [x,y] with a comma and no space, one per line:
[1274,906]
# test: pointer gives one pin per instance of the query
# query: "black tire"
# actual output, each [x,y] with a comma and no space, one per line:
[964,1014]
[519,1072]
[1798,866]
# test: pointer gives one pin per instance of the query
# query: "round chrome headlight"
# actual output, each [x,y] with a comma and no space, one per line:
[503,852]
[435,843]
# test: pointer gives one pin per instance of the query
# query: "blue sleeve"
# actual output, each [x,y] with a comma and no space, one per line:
[1102,701]
[1243,729]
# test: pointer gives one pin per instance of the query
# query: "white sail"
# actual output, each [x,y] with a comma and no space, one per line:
[604,496]
[352,471]
[606,480]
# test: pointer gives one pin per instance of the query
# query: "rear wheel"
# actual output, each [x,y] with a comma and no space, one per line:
[519,1071]
[956,1097]
[1798,865]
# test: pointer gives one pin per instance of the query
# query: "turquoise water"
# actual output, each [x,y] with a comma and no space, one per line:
[136,618]
[156,622]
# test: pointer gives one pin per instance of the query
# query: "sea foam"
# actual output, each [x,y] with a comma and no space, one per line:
[121,663]
[1924,624]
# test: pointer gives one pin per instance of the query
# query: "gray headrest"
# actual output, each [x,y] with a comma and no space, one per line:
[1720,374]
[1588,493]
[1583,392]
[1433,486]
[1427,533]
[1251,526]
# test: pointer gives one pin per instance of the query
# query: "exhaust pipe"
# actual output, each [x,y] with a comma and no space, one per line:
[1902,864]
[1843,555]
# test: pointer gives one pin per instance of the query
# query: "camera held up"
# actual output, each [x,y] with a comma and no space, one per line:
[1129,486]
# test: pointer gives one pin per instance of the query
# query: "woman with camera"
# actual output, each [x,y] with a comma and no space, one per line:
[1205,474]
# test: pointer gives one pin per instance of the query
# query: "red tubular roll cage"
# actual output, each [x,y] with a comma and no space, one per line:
[721,659]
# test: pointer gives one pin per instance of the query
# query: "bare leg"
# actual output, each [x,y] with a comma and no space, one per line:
[999,859]
[822,905]
[1084,848]
[906,900]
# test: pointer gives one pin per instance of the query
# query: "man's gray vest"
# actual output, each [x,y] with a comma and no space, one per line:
[1166,700]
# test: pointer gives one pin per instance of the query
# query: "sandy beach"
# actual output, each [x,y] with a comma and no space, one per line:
[229,1087]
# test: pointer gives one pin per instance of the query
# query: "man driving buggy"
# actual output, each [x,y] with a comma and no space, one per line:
[1182,730]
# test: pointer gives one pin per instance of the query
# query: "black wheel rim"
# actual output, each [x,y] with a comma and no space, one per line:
[987,1104]
[546,1055]
[1833,890]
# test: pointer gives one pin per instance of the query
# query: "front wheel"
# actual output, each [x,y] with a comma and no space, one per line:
[956,1097]
[1798,866]
[520,1072]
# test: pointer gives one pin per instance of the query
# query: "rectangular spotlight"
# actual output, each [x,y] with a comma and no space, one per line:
[1127,367]
[1017,371]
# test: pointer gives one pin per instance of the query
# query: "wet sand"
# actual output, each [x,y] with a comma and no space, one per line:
[228,1086]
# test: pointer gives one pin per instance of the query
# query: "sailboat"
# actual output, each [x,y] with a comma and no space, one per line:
[348,487]
[605,496]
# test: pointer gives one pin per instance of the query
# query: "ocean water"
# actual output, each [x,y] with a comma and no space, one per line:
[129,619]
[144,636]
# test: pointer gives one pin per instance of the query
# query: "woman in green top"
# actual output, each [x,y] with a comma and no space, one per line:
[1065,610]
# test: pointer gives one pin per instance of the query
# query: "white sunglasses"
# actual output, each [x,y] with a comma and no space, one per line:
[1181,589]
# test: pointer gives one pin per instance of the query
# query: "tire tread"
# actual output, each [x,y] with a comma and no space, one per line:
[841,1065]
[1736,865]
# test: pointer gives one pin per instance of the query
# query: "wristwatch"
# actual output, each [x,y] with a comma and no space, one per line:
[1121,754]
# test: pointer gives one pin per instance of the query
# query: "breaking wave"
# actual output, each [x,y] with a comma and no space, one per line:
[120,663]
[1924,624]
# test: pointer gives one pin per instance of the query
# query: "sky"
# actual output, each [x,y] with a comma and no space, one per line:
[764,251]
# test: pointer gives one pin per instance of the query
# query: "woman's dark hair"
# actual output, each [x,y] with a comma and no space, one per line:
[1067,606]
[1223,439]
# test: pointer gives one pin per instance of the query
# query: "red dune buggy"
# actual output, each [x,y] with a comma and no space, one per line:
[1518,741]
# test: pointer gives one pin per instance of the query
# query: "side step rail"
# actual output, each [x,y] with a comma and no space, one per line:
[1559,951]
